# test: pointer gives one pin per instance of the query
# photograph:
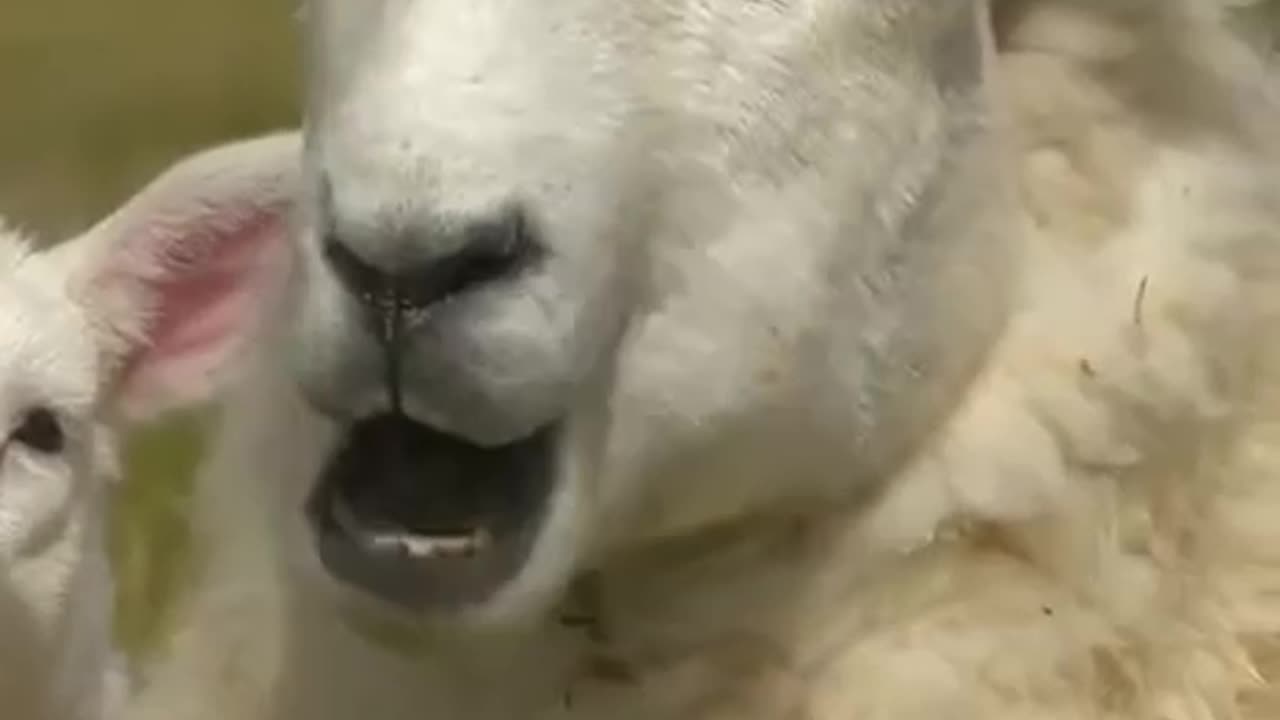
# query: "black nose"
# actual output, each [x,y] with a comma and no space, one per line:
[487,251]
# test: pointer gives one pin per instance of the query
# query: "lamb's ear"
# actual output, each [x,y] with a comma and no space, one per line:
[174,280]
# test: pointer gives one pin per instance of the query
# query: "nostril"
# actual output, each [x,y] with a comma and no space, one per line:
[489,251]
[492,250]
[359,278]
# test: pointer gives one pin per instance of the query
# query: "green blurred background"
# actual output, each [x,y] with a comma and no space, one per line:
[98,96]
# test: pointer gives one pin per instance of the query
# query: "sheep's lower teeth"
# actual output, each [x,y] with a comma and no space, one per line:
[424,547]
[413,545]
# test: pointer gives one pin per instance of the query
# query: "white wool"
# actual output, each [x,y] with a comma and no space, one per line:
[1086,526]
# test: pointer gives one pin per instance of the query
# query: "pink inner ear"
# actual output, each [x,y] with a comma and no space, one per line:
[203,304]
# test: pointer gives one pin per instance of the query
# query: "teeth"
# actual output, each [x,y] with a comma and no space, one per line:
[425,547]
[413,545]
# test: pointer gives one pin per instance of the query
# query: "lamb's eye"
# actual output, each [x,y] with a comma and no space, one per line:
[40,431]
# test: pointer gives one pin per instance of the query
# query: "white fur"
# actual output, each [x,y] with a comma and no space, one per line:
[917,358]
[76,338]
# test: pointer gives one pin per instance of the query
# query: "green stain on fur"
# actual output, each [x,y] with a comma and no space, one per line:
[150,533]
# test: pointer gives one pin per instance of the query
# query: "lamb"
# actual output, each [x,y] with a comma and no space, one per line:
[711,359]
[136,317]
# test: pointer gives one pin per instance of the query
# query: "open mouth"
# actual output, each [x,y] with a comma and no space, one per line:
[422,519]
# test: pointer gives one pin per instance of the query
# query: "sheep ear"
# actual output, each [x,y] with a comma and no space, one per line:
[174,280]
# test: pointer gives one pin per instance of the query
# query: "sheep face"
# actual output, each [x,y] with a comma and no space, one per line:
[583,276]
[142,314]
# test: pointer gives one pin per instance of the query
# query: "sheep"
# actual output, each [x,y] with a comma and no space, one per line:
[142,314]
[764,360]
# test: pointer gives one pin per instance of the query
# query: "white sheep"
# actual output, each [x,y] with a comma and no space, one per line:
[726,360]
[139,315]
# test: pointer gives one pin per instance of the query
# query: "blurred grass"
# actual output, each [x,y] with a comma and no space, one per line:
[96,97]
[1259,22]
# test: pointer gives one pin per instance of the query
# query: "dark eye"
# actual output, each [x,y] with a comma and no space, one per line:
[40,431]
